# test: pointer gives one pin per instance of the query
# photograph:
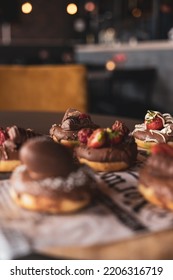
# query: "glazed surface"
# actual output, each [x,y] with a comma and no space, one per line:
[125,151]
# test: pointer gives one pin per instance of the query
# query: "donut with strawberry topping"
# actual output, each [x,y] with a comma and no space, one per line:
[156,128]
[66,133]
[156,176]
[107,149]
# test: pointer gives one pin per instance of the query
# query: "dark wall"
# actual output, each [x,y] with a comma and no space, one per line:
[48,20]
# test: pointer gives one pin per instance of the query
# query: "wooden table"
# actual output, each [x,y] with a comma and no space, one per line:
[152,246]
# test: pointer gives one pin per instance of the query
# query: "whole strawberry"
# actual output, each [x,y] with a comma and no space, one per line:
[154,120]
[97,139]
[114,136]
[84,134]
[3,135]
[121,127]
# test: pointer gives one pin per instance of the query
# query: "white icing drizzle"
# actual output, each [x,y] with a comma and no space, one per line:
[166,130]
[74,180]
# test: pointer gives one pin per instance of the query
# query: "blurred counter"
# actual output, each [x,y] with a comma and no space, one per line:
[156,54]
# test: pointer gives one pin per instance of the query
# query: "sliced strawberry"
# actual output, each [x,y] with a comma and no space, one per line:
[97,138]
[3,135]
[121,127]
[114,136]
[162,148]
[154,120]
[84,134]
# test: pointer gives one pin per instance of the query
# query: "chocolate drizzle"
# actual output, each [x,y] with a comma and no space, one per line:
[158,136]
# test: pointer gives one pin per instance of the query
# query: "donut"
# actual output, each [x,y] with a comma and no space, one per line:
[156,128]
[156,176]
[11,140]
[66,133]
[107,149]
[48,180]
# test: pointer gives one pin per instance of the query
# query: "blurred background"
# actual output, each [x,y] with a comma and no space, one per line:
[126,46]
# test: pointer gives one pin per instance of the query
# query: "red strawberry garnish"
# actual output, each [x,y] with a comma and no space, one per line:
[162,148]
[114,136]
[3,135]
[121,127]
[84,116]
[84,134]
[154,120]
[97,138]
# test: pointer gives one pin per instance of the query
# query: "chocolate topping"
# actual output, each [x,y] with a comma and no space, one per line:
[72,122]
[157,175]
[16,136]
[125,151]
[60,134]
[160,165]
[45,158]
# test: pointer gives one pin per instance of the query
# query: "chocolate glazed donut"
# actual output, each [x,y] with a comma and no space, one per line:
[156,177]
[148,135]
[114,158]
[67,132]
[48,180]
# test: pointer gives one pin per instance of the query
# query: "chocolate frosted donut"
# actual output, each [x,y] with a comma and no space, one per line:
[67,132]
[48,180]
[43,159]
[156,176]
[11,139]
[157,128]
[110,149]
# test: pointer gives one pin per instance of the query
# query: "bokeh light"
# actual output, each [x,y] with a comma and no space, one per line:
[26,8]
[89,6]
[136,12]
[110,65]
[72,9]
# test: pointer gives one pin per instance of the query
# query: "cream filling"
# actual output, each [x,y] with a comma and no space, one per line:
[74,180]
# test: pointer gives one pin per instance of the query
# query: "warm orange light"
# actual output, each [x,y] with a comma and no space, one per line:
[136,12]
[110,65]
[72,9]
[26,8]
[90,6]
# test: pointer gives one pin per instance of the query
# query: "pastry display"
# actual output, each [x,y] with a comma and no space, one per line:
[107,149]
[156,176]
[48,180]
[11,140]
[156,128]
[66,133]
